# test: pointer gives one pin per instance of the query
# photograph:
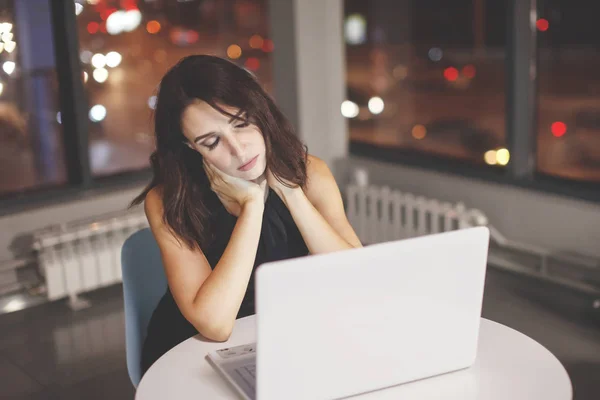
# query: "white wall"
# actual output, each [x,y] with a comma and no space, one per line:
[547,220]
[15,229]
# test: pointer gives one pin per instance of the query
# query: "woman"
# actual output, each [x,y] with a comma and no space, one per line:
[233,188]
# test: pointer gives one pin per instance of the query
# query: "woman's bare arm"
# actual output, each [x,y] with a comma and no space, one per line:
[318,211]
[208,298]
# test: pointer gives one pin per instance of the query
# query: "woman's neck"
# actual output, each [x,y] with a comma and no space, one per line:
[260,180]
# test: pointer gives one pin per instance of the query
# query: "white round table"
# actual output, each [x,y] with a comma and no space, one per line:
[509,365]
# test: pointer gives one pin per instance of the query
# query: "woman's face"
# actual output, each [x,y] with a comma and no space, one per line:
[233,146]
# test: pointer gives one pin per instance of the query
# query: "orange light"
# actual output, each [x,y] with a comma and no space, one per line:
[93,27]
[153,27]
[469,71]
[268,46]
[451,74]
[256,41]
[252,63]
[234,51]
[558,128]
[542,24]
[419,132]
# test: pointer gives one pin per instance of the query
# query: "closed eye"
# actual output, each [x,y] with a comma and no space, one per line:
[211,144]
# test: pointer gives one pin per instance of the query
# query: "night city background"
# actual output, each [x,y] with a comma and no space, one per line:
[434,74]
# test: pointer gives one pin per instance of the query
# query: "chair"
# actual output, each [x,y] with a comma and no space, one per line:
[144,283]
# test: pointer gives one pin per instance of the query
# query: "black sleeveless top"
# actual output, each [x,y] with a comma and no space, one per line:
[279,239]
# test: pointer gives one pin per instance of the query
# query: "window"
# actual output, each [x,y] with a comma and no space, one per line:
[127,46]
[427,77]
[31,146]
[568,134]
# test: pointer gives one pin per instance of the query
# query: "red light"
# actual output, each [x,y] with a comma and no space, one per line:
[192,36]
[451,74]
[542,24]
[469,71]
[252,63]
[558,129]
[129,5]
[268,46]
[93,27]
[106,13]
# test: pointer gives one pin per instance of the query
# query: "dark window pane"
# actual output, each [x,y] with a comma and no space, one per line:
[31,150]
[428,76]
[127,46]
[569,89]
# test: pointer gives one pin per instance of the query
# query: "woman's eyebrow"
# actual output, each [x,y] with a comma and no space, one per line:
[240,116]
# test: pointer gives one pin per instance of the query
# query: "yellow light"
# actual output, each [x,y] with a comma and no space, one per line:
[490,157]
[100,75]
[350,109]
[419,132]
[502,156]
[7,37]
[256,42]
[113,59]
[376,105]
[1,87]
[9,67]
[10,46]
[6,27]
[85,77]
[234,51]
[99,60]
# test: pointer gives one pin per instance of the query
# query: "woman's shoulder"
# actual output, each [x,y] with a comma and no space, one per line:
[317,171]
[153,204]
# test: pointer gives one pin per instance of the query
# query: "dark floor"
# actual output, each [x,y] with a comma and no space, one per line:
[50,352]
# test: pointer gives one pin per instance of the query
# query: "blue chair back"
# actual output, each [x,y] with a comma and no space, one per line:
[144,283]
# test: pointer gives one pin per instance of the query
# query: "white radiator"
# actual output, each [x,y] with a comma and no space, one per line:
[380,214]
[84,255]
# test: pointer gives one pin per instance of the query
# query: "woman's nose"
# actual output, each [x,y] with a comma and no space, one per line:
[237,149]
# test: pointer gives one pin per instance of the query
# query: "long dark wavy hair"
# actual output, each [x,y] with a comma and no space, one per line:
[178,171]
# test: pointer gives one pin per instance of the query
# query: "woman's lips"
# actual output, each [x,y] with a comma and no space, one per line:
[249,165]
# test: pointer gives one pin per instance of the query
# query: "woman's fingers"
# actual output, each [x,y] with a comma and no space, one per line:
[208,170]
[218,183]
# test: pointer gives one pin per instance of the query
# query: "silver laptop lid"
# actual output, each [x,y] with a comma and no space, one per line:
[349,322]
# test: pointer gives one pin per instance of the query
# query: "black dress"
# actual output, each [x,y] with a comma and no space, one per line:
[279,239]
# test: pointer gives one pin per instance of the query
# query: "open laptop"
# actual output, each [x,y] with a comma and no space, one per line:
[354,321]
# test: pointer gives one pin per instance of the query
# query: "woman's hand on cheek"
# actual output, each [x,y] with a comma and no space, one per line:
[233,190]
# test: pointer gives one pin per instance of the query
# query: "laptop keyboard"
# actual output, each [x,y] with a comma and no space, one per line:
[251,369]
[245,376]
